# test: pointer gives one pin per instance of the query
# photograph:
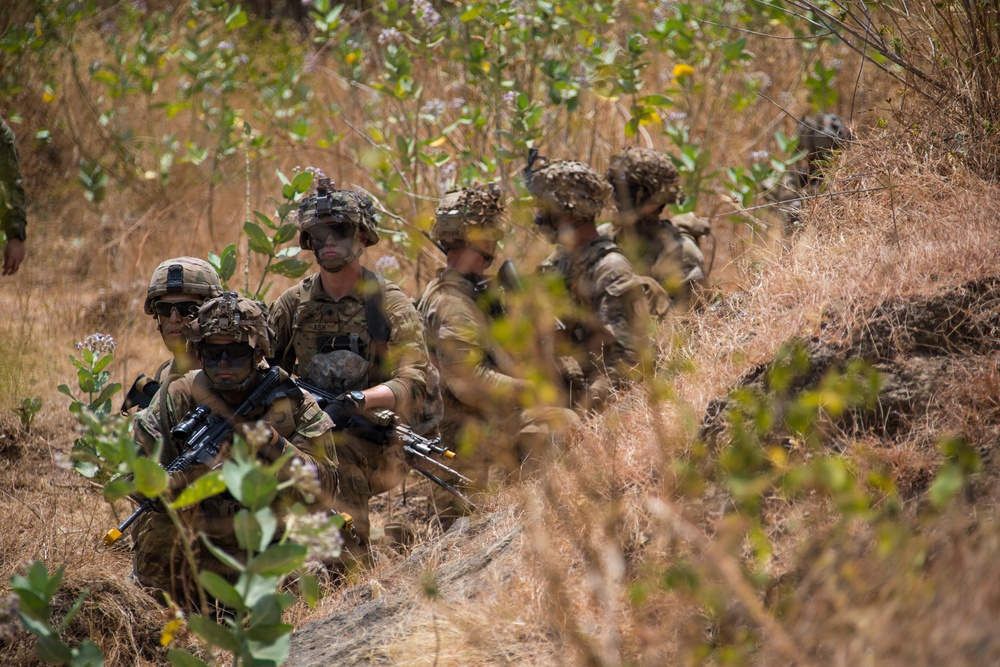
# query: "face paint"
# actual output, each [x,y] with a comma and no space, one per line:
[335,246]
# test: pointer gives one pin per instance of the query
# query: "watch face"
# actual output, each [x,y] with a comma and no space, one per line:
[358,396]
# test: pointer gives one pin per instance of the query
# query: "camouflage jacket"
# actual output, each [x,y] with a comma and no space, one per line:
[305,321]
[479,377]
[672,257]
[608,320]
[12,216]
[294,415]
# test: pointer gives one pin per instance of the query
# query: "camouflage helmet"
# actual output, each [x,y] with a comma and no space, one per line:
[821,133]
[328,205]
[469,215]
[643,177]
[231,316]
[182,275]
[568,187]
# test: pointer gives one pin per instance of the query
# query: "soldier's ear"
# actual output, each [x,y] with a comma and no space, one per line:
[304,241]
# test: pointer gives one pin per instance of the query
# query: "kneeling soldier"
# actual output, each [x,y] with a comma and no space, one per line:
[230,338]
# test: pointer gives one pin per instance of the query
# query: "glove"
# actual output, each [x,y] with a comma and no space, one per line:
[345,406]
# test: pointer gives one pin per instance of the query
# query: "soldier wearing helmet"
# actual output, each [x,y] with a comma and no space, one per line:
[230,338]
[357,335]
[643,183]
[177,289]
[484,386]
[606,317]
[13,220]
[819,135]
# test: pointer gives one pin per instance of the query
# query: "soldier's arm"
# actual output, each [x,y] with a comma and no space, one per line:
[407,354]
[13,219]
[624,313]
[463,358]
[313,443]
[149,428]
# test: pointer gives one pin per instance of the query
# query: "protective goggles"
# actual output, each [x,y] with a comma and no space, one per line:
[187,309]
[231,351]
[320,234]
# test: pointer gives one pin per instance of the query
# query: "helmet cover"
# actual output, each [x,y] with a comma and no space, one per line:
[469,215]
[643,177]
[568,187]
[330,206]
[232,316]
[182,275]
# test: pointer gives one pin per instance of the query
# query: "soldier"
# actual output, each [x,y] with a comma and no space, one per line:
[230,339]
[12,216]
[177,289]
[643,183]
[606,332]
[485,420]
[819,135]
[356,335]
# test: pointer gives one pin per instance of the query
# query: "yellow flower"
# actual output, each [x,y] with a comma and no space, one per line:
[170,631]
[681,70]
[351,58]
[48,96]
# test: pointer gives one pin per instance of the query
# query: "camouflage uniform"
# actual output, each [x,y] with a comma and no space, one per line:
[644,182]
[484,418]
[13,220]
[157,556]
[819,135]
[336,345]
[607,320]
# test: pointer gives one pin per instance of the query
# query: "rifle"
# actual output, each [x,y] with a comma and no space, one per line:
[203,433]
[141,393]
[385,428]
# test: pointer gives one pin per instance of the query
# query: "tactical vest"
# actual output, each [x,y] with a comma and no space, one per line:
[580,330]
[350,337]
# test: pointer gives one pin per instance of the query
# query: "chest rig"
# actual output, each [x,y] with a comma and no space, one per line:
[341,345]
[577,275]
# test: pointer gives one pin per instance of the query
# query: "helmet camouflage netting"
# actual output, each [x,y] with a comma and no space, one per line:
[328,205]
[182,275]
[568,187]
[643,176]
[467,215]
[231,316]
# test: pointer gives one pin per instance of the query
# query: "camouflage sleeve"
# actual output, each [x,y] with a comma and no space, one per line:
[313,442]
[13,219]
[407,356]
[622,308]
[149,428]
[280,318]
[463,357]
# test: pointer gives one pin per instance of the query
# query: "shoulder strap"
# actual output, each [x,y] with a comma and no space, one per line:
[378,322]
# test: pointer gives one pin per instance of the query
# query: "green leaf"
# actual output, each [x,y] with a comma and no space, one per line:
[150,478]
[34,625]
[180,658]
[471,14]
[64,389]
[103,362]
[87,654]
[302,181]
[258,239]
[285,233]
[268,525]
[290,268]
[106,395]
[257,587]
[222,554]
[267,611]
[949,481]
[206,486]
[118,488]
[227,266]
[264,220]
[657,100]
[268,633]
[248,531]
[309,588]
[278,559]
[236,19]
[53,651]
[221,590]
[214,633]
[74,610]
[270,653]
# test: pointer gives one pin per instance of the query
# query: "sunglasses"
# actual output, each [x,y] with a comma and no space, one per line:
[320,234]
[215,351]
[184,308]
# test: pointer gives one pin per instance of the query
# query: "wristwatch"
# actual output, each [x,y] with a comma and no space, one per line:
[358,398]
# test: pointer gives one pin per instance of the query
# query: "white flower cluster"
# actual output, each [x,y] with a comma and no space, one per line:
[305,478]
[426,14]
[317,533]
[388,266]
[759,156]
[98,343]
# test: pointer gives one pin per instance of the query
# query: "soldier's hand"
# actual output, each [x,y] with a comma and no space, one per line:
[13,255]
